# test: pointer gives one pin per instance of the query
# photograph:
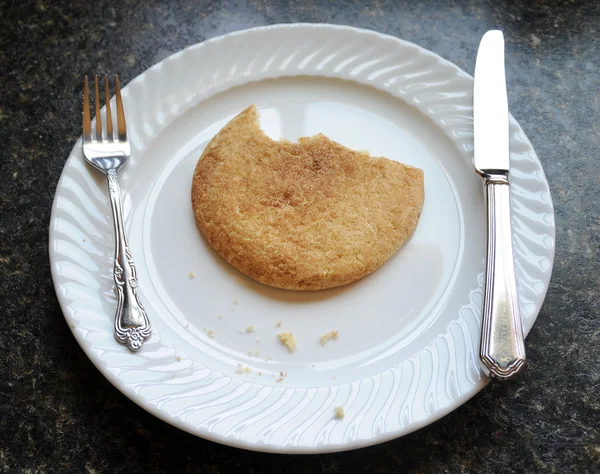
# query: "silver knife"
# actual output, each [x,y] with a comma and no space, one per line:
[502,348]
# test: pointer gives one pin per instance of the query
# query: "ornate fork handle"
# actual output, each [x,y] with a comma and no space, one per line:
[132,326]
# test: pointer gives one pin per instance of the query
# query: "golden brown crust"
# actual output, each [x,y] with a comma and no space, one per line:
[301,216]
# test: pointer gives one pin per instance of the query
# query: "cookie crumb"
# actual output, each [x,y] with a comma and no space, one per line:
[250,329]
[243,370]
[278,324]
[178,359]
[288,339]
[339,413]
[210,333]
[327,336]
[192,275]
[282,376]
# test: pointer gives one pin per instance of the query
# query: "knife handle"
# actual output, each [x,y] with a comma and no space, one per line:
[502,349]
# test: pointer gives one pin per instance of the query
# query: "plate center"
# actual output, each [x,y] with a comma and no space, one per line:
[206,306]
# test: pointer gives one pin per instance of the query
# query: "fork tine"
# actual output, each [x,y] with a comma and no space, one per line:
[87,125]
[98,118]
[121,127]
[109,126]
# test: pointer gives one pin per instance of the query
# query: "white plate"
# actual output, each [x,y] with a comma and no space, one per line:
[408,334]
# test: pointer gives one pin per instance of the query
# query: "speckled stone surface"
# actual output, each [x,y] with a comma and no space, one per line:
[58,414]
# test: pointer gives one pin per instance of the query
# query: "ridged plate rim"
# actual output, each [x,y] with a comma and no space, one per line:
[440,91]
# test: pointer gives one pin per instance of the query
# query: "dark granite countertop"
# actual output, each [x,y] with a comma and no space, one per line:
[59,414]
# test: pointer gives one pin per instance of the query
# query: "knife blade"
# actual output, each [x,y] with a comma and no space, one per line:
[490,105]
[502,347]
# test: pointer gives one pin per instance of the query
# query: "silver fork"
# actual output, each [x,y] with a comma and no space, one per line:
[108,154]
